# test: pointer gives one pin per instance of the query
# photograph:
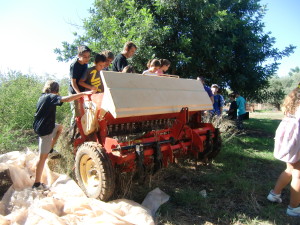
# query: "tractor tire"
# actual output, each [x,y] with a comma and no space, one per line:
[94,172]
[217,145]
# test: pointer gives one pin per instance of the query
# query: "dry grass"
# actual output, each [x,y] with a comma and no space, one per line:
[64,164]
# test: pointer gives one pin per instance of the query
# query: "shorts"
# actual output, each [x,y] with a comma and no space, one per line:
[46,141]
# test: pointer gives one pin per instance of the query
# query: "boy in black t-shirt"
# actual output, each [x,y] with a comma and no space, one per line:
[232,112]
[44,124]
[120,62]
[77,69]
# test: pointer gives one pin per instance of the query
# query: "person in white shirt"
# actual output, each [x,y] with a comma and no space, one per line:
[154,67]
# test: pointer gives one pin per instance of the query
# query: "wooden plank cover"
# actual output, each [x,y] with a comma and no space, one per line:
[128,94]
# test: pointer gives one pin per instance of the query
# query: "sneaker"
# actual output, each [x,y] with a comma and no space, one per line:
[40,186]
[274,198]
[293,211]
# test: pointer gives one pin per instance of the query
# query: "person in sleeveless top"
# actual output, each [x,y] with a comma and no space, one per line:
[287,149]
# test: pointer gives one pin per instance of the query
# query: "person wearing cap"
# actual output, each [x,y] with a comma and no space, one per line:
[207,89]
[218,101]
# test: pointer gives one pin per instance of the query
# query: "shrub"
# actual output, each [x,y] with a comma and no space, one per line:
[19,95]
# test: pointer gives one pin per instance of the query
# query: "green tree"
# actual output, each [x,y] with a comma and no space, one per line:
[275,94]
[222,40]
[295,70]
[19,95]
[111,24]
[277,89]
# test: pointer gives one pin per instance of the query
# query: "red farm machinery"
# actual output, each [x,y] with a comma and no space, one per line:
[140,122]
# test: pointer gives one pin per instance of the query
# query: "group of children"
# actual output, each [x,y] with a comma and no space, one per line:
[86,81]
[237,110]
[83,81]
[83,78]
[287,141]
[157,67]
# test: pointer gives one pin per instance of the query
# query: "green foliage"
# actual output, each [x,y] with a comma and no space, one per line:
[277,88]
[109,27]
[11,139]
[290,82]
[222,40]
[273,95]
[19,95]
[295,70]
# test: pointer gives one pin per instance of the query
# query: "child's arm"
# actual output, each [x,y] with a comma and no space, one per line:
[83,84]
[75,86]
[75,96]
[210,94]
[222,103]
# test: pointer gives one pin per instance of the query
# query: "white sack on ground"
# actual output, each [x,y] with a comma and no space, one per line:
[154,200]
[65,203]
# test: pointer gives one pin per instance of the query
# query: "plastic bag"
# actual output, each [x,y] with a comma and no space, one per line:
[65,203]
[89,119]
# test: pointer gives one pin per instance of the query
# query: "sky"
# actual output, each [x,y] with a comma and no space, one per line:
[282,20]
[32,29]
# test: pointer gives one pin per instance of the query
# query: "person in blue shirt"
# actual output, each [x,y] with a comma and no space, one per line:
[218,101]
[241,110]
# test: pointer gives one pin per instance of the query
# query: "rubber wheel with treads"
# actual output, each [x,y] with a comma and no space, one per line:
[94,172]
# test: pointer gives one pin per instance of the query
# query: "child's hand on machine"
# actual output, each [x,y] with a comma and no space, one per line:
[90,92]
[94,88]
